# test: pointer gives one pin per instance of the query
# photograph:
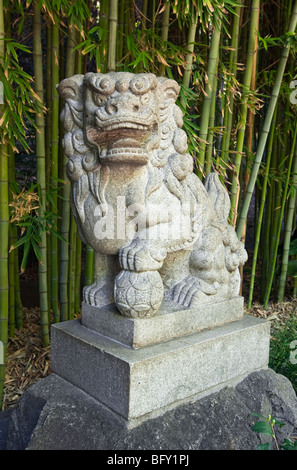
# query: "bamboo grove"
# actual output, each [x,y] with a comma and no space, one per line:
[235,61]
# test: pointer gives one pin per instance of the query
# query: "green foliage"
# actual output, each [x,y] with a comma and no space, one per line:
[25,215]
[267,427]
[20,99]
[210,12]
[92,46]
[283,337]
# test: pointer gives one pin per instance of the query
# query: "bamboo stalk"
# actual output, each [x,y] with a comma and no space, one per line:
[18,299]
[65,211]
[77,290]
[252,45]
[211,123]
[228,110]
[72,258]
[288,232]
[209,90]
[284,198]
[54,166]
[41,173]
[4,236]
[189,57]
[48,140]
[112,42]
[103,22]
[120,31]
[89,265]
[164,31]
[11,255]
[4,232]
[266,126]
[261,212]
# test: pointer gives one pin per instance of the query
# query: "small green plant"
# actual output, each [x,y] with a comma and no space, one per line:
[267,426]
[282,346]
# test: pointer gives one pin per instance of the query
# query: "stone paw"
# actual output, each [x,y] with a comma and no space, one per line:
[191,290]
[98,294]
[141,255]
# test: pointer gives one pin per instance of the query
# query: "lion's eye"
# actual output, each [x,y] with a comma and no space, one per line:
[99,99]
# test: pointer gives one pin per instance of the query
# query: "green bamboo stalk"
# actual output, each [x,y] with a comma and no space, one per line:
[54,166]
[18,299]
[11,256]
[164,31]
[65,211]
[48,141]
[72,258]
[282,154]
[152,10]
[103,23]
[78,56]
[112,42]
[4,236]
[89,265]
[77,290]
[11,177]
[266,236]
[261,212]
[228,110]
[284,199]
[128,28]
[189,56]
[209,150]
[41,172]
[120,31]
[4,231]
[209,90]
[288,232]
[252,44]
[266,126]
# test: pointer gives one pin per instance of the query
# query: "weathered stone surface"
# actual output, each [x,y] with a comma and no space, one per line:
[136,382]
[172,321]
[68,419]
[156,230]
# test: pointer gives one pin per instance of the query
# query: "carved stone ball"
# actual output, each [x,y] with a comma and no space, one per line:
[138,295]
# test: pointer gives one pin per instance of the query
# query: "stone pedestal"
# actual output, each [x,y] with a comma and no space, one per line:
[141,368]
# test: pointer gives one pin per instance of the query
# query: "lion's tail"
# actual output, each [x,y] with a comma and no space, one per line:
[219,197]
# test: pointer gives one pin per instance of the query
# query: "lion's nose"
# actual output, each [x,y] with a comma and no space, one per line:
[122,107]
[111,108]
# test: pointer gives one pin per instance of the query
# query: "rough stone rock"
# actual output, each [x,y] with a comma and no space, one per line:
[54,415]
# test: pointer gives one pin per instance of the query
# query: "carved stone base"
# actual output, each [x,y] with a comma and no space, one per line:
[172,321]
[138,384]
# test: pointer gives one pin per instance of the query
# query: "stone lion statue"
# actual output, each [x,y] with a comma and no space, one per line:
[156,230]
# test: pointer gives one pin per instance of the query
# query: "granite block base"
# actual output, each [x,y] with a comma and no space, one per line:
[137,384]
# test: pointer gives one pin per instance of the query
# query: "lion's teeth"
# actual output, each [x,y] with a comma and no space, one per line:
[130,150]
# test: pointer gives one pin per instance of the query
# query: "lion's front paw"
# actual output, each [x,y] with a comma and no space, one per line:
[98,294]
[191,290]
[142,256]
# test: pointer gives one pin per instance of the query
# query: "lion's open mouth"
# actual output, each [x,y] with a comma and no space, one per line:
[122,125]
[135,155]
[125,151]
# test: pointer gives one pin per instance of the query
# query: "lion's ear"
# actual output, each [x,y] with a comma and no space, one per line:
[70,88]
[169,88]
